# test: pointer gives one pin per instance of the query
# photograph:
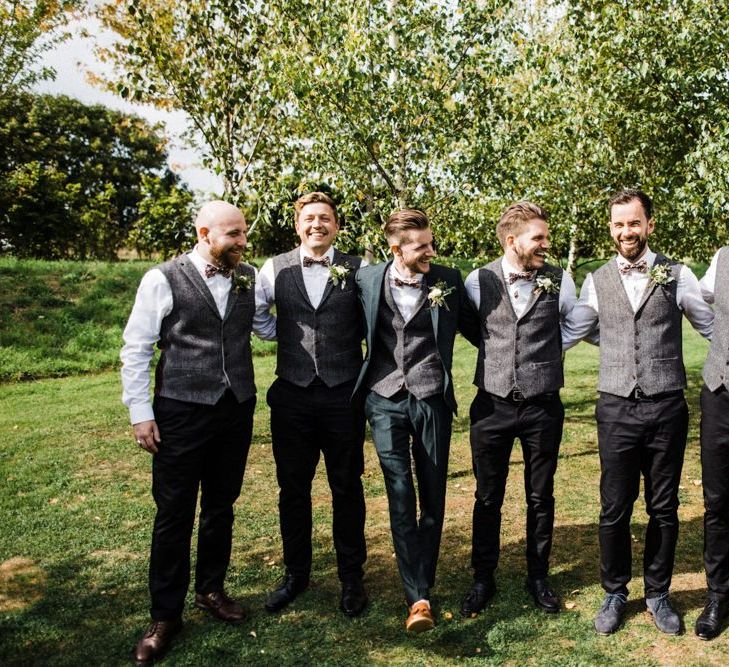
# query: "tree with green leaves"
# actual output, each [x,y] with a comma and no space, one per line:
[27,30]
[71,176]
[384,92]
[216,61]
[611,94]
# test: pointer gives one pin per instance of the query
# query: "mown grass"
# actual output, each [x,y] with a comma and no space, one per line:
[64,318]
[76,519]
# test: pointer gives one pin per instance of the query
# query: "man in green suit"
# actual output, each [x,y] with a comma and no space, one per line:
[413,309]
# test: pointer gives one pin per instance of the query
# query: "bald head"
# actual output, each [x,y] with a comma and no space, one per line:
[221,233]
[216,211]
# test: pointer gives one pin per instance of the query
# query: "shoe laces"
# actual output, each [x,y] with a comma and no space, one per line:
[612,600]
[662,602]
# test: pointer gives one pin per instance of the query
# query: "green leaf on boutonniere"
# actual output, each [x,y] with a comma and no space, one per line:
[438,293]
[242,283]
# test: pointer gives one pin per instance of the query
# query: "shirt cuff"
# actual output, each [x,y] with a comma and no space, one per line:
[141,413]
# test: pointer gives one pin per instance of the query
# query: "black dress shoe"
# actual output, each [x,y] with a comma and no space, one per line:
[477,598]
[708,624]
[354,598]
[544,597]
[155,642]
[289,587]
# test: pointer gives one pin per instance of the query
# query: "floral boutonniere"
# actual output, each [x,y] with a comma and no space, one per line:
[546,282]
[438,293]
[660,274]
[339,273]
[241,282]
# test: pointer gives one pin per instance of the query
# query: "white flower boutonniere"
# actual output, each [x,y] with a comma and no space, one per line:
[438,293]
[547,282]
[242,283]
[339,273]
[660,274]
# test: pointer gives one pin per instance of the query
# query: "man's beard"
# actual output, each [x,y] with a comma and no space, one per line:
[526,259]
[224,258]
[637,250]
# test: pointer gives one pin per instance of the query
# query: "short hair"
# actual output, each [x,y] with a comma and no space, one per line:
[516,217]
[404,220]
[315,198]
[627,195]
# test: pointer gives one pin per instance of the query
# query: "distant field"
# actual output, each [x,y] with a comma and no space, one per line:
[64,318]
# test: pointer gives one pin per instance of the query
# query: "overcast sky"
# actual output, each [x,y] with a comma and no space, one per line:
[72,56]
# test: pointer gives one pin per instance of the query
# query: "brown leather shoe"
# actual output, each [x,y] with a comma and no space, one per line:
[420,619]
[155,642]
[219,605]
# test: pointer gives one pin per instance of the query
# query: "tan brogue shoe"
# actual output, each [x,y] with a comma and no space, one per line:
[155,642]
[219,605]
[420,618]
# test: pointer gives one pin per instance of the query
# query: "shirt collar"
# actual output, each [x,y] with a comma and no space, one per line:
[304,253]
[394,273]
[649,256]
[507,267]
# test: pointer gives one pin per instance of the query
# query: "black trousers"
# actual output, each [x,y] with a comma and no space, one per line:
[203,448]
[307,422]
[715,478]
[637,437]
[495,423]
[413,433]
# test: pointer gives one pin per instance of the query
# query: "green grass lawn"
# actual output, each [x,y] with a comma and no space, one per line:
[76,520]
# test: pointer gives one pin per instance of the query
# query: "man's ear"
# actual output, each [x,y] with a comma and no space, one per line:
[202,233]
[395,249]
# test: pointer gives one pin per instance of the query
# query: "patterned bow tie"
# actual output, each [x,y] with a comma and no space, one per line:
[399,282]
[310,261]
[524,275]
[641,266]
[224,271]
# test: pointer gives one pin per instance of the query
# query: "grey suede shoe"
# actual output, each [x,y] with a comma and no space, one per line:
[664,615]
[611,613]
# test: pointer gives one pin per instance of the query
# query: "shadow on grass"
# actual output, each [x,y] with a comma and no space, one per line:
[87,618]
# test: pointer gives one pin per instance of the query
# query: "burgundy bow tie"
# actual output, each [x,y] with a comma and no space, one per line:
[641,266]
[399,282]
[310,261]
[524,275]
[224,271]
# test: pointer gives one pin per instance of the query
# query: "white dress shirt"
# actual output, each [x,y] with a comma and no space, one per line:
[316,277]
[152,304]
[584,317]
[708,282]
[406,298]
[521,290]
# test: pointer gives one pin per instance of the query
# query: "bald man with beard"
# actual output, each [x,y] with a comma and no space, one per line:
[199,309]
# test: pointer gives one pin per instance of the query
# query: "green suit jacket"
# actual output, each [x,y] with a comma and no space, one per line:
[460,315]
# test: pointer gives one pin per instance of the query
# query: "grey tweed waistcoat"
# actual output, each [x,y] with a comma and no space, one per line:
[323,342]
[523,353]
[716,368]
[641,348]
[405,354]
[202,353]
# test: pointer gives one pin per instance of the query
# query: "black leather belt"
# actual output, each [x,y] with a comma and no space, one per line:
[639,395]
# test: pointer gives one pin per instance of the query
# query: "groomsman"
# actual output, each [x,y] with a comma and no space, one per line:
[639,299]
[715,450]
[199,309]
[521,301]
[412,309]
[318,360]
